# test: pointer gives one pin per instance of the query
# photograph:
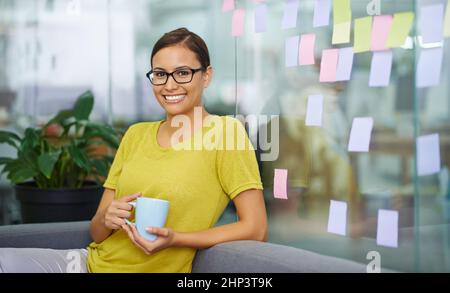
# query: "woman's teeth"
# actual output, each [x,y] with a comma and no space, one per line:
[174,98]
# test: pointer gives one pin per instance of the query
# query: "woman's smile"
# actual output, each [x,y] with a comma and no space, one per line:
[174,99]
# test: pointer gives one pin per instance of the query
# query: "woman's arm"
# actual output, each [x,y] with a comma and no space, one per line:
[252,224]
[99,231]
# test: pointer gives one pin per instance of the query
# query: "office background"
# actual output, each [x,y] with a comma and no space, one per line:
[49,55]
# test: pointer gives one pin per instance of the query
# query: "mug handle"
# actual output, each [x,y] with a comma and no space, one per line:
[133,204]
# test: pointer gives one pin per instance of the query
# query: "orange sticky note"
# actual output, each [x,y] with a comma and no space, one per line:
[238,23]
[380,32]
[280,183]
[328,65]
[306,49]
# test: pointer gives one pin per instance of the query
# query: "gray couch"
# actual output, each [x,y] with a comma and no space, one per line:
[231,257]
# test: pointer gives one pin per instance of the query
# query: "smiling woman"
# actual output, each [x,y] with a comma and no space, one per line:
[198,183]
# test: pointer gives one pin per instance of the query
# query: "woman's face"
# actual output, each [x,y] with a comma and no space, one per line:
[178,98]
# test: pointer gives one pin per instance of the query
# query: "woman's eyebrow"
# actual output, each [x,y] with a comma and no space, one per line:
[159,68]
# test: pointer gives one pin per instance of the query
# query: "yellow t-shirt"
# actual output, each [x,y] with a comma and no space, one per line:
[197,183]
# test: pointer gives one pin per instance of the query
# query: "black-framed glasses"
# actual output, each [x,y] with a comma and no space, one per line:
[183,75]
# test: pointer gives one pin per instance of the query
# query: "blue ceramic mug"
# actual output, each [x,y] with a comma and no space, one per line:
[149,212]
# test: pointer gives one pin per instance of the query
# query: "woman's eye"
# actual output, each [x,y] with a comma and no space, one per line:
[183,72]
[160,74]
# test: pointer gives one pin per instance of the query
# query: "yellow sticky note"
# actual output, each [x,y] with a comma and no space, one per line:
[401,25]
[341,33]
[362,34]
[447,21]
[342,11]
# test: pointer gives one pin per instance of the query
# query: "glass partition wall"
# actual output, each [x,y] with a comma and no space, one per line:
[53,50]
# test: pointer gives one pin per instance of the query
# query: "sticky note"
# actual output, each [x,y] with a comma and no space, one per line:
[306,49]
[291,51]
[380,31]
[328,65]
[290,14]
[261,18]
[345,64]
[341,11]
[227,5]
[238,22]
[337,217]
[314,110]
[431,23]
[387,228]
[447,21]
[380,69]
[401,25]
[428,72]
[360,134]
[280,183]
[362,34]
[322,9]
[428,154]
[341,33]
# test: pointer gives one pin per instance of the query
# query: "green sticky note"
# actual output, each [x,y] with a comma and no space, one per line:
[342,11]
[401,25]
[447,21]
[341,33]
[362,34]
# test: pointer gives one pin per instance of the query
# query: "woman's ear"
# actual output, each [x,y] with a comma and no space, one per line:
[207,76]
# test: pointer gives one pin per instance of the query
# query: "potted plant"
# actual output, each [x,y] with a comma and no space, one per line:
[60,166]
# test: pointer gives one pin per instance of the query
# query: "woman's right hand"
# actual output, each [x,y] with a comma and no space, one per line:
[118,211]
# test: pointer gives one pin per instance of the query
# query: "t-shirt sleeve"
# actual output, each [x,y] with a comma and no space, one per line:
[119,159]
[237,167]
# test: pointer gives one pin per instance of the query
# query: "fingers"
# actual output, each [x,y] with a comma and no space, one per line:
[131,235]
[158,231]
[130,197]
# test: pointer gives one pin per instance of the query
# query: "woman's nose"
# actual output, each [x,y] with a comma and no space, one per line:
[171,83]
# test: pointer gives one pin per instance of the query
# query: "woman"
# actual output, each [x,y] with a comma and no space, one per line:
[197,183]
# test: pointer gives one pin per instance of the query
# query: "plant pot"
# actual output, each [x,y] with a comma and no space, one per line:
[58,204]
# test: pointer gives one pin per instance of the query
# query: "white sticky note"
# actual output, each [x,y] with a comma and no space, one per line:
[360,134]
[431,23]
[337,218]
[322,10]
[314,110]
[380,68]
[261,18]
[387,228]
[345,64]
[428,154]
[291,51]
[290,14]
[429,67]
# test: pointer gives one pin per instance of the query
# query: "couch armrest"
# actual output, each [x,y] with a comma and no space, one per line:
[67,235]
[262,257]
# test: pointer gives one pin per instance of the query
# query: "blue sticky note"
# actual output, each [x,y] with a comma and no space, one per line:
[291,51]
[261,18]
[380,69]
[428,72]
[431,23]
[428,154]
[290,14]
[322,10]
[345,64]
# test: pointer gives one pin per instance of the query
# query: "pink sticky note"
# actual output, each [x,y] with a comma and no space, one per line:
[238,23]
[380,31]
[280,183]
[306,49]
[228,5]
[328,65]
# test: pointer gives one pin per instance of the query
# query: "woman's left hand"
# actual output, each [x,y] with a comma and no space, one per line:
[164,239]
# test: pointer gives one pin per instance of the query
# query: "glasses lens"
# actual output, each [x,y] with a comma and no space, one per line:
[158,77]
[183,75]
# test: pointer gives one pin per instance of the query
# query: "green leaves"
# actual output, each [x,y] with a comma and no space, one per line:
[66,158]
[47,161]
[9,138]
[83,106]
